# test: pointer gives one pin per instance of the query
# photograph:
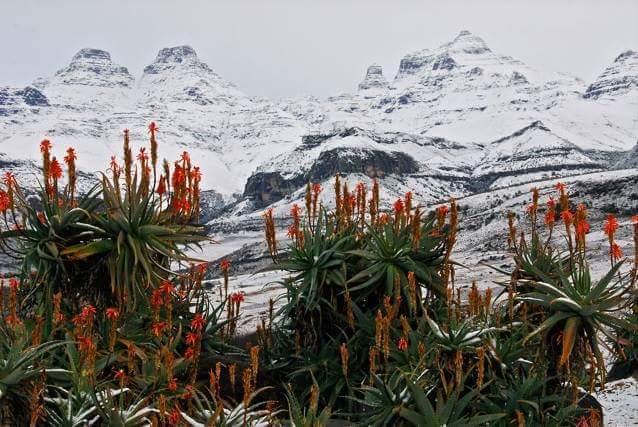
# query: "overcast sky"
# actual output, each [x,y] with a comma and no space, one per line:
[282,48]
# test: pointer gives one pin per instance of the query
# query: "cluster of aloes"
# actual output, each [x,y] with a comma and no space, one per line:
[560,301]
[374,320]
[99,325]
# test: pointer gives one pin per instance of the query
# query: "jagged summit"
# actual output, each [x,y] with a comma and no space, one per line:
[468,43]
[374,78]
[176,54]
[620,77]
[91,55]
[93,67]
[465,49]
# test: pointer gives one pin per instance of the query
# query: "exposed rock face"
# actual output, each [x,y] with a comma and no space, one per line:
[29,96]
[374,78]
[517,79]
[443,58]
[170,57]
[617,79]
[264,188]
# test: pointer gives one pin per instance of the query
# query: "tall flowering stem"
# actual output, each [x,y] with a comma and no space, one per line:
[271,238]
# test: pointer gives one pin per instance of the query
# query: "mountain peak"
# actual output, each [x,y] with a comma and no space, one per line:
[171,57]
[374,78]
[626,55]
[618,78]
[93,67]
[88,54]
[176,54]
[466,42]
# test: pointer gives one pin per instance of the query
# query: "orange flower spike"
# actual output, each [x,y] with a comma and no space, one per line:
[174,416]
[167,288]
[128,158]
[56,169]
[45,146]
[441,213]
[560,187]
[343,350]
[399,208]
[5,203]
[152,129]
[254,362]
[112,314]
[88,312]
[157,299]
[611,225]
[550,215]
[161,187]
[615,252]
[142,156]
[157,328]
[185,158]
[70,157]
[192,338]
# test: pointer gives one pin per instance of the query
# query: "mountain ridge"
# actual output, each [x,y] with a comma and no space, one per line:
[459,111]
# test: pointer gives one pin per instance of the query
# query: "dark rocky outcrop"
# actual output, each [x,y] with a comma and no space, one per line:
[374,78]
[28,95]
[264,188]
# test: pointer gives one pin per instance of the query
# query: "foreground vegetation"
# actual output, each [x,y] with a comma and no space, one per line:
[108,322]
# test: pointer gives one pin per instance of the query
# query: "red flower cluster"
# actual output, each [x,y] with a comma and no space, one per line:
[5,201]
[561,187]
[85,344]
[112,313]
[202,267]
[198,322]
[194,336]
[157,328]
[237,297]
[615,252]
[224,265]
[70,156]
[402,344]
[120,374]
[45,146]
[398,207]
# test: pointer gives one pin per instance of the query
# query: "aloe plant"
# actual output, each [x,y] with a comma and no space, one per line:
[116,411]
[581,308]
[207,413]
[20,364]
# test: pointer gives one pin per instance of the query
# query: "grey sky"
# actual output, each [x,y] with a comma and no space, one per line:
[322,47]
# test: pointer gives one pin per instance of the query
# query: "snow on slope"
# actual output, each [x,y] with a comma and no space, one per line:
[458,118]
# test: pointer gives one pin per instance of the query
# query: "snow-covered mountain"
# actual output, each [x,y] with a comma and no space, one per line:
[454,120]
